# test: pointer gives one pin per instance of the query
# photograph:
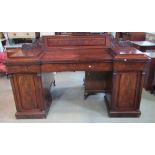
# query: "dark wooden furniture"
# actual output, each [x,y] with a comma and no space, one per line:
[133,36]
[143,45]
[27,69]
[149,82]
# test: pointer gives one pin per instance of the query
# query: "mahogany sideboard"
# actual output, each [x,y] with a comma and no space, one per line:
[28,66]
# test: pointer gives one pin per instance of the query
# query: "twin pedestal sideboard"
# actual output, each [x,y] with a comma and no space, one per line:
[123,71]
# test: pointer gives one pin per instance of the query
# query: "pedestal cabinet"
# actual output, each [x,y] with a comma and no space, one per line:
[127,83]
[32,94]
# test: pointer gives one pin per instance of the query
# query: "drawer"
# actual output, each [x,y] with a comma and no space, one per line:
[118,66]
[24,69]
[21,35]
[76,67]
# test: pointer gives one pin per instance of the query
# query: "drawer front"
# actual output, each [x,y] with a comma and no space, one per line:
[76,67]
[129,66]
[24,69]
[21,35]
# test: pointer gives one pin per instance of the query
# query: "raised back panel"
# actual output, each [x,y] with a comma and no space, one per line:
[76,41]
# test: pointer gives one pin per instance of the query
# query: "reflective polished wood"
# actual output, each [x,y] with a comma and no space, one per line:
[143,45]
[28,67]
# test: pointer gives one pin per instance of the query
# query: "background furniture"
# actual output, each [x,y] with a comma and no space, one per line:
[1,45]
[133,36]
[22,37]
[3,55]
[1,35]
[147,47]
[150,36]
[143,45]
[2,42]
[149,83]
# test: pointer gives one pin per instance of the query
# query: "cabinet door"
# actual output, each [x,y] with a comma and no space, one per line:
[27,89]
[127,87]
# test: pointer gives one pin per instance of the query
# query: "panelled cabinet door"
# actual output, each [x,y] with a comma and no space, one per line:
[127,87]
[27,90]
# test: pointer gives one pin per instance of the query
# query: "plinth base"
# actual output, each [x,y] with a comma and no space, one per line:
[32,115]
[113,113]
